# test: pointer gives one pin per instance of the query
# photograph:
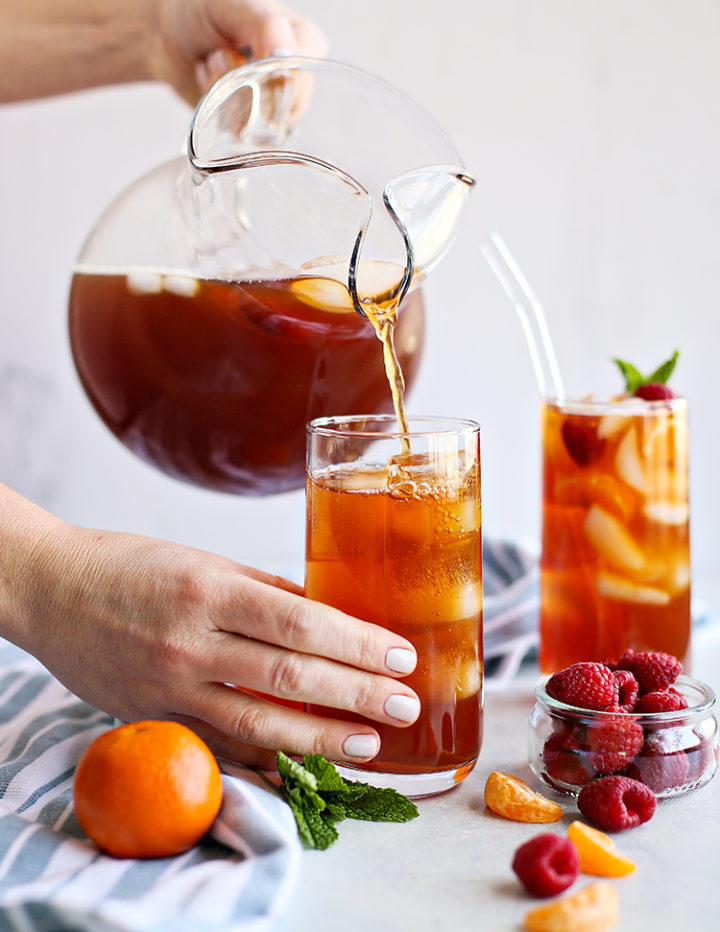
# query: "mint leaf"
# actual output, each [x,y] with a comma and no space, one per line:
[319,796]
[663,372]
[293,773]
[325,773]
[321,828]
[381,805]
[632,376]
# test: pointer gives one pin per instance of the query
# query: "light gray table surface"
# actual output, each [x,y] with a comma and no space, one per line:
[450,867]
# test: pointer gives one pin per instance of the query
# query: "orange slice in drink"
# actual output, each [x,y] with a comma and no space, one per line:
[603,490]
[598,853]
[612,586]
[326,294]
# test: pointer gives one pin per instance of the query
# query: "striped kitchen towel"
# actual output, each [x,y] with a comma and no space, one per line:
[511,604]
[53,879]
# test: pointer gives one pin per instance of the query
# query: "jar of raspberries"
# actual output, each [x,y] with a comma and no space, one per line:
[638,717]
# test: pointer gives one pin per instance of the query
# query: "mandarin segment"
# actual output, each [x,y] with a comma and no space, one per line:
[591,909]
[598,853]
[510,797]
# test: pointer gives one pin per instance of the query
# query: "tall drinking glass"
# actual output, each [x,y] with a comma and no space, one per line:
[394,538]
[615,565]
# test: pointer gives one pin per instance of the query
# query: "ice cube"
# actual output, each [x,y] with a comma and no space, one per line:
[141,281]
[612,541]
[677,579]
[612,586]
[628,464]
[610,425]
[468,678]
[185,286]
[672,513]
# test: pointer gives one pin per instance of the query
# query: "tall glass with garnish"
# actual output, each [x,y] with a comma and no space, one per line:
[615,565]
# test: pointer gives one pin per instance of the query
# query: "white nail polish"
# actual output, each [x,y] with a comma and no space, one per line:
[400,660]
[403,708]
[361,746]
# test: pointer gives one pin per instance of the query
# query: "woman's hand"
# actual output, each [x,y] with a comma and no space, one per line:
[142,628]
[195,42]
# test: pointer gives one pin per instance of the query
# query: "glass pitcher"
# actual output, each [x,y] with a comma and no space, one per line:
[217,305]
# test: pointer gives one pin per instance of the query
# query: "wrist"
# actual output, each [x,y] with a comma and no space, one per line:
[30,567]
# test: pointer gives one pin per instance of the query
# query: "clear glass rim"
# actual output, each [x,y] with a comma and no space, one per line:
[680,716]
[351,425]
[625,405]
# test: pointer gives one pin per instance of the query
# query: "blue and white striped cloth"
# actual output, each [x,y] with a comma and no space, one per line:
[511,604]
[52,878]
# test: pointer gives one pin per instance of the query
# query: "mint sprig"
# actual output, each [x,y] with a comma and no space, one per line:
[634,378]
[319,797]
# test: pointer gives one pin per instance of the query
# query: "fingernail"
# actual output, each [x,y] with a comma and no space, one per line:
[361,746]
[403,708]
[400,660]
[282,52]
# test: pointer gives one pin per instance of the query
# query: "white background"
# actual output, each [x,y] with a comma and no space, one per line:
[594,133]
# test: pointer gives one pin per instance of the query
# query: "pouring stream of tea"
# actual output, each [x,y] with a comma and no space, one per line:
[383,317]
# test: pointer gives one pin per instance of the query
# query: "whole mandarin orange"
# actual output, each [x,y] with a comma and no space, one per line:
[148,789]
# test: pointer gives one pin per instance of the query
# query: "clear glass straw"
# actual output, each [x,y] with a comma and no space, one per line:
[531,315]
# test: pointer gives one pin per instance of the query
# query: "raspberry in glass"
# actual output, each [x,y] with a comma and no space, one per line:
[654,670]
[660,771]
[581,441]
[628,689]
[563,759]
[661,700]
[613,741]
[584,684]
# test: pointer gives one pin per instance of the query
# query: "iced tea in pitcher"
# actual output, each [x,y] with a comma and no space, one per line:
[615,565]
[214,381]
[394,538]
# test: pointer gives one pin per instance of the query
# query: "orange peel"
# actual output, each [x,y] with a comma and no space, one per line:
[512,798]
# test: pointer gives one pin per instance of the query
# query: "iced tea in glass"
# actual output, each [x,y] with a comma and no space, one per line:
[615,565]
[393,537]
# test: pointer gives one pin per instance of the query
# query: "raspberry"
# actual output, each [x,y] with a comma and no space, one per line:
[701,759]
[660,771]
[616,803]
[613,741]
[563,760]
[584,684]
[654,391]
[653,670]
[661,700]
[628,689]
[582,442]
[546,865]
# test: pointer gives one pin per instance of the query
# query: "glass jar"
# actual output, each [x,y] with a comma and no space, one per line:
[670,752]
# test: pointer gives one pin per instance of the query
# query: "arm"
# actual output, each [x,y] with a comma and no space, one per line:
[57,46]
